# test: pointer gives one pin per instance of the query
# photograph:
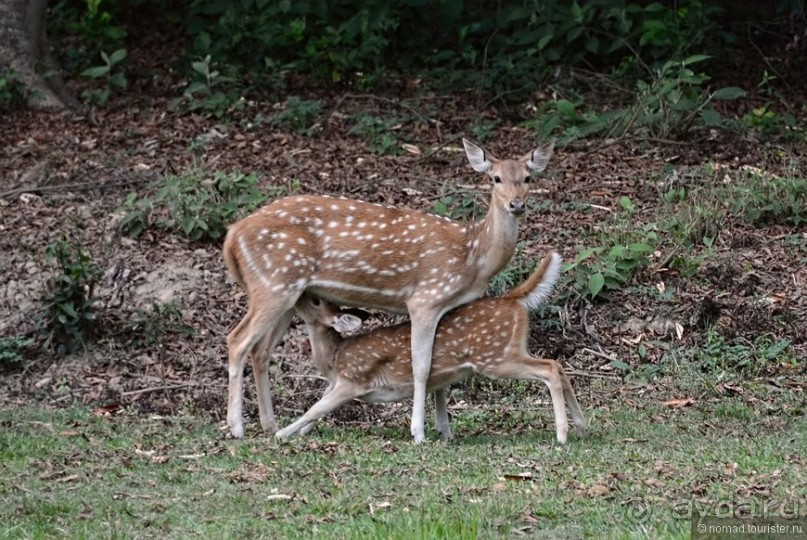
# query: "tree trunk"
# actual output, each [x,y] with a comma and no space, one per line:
[24,48]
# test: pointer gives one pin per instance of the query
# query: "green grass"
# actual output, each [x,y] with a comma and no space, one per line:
[71,474]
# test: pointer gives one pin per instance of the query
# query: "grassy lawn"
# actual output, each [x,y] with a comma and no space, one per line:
[639,473]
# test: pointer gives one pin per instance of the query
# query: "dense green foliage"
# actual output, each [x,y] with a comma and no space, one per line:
[69,300]
[499,47]
[12,91]
[508,46]
[193,204]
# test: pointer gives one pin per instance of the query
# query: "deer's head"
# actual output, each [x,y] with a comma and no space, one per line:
[320,312]
[510,177]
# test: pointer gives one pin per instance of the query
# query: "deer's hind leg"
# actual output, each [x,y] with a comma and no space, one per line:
[261,354]
[258,328]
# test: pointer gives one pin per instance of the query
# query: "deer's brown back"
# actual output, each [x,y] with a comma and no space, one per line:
[352,252]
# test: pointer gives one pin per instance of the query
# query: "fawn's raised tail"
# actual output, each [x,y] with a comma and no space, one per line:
[536,289]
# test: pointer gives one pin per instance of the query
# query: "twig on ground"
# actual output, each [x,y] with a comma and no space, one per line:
[433,151]
[401,104]
[78,186]
[601,355]
[576,373]
[158,389]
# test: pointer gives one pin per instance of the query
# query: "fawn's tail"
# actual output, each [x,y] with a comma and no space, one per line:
[534,292]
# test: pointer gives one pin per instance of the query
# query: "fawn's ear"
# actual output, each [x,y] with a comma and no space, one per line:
[538,159]
[477,156]
[360,313]
[346,323]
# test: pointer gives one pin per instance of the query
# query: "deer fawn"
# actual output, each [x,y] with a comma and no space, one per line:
[487,336]
[363,254]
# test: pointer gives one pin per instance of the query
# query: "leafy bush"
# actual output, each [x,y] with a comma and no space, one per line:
[200,208]
[298,116]
[741,356]
[13,93]
[69,300]
[612,262]
[210,91]
[764,199]
[457,203]
[110,75]
[379,131]
[152,327]
[82,29]
[672,100]
[503,46]
[11,349]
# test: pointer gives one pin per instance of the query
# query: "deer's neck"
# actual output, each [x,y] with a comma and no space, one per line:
[493,242]
[325,343]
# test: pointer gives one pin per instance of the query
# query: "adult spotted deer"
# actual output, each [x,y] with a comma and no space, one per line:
[487,336]
[362,254]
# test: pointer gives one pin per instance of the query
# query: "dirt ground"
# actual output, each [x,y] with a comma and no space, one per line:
[65,175]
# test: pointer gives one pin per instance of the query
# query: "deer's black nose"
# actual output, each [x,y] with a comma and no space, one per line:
[517,207]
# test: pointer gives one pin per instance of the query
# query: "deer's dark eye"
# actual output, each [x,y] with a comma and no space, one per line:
[497,179]
[315,301]
[527,179]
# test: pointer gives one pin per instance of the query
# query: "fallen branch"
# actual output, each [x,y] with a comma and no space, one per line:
[601,355]
[576,373]
[78,186]
[158,388]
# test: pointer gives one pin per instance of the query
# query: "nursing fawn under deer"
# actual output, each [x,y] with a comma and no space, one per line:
[488,337]
[362,254]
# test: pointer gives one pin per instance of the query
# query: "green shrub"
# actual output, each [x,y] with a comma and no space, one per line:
[619,253]
[152,327]
[210,91]
[110,75]
[496,47]
[11,350]
[81,30]
[196,205]
[458,204]
[666,104]
[298,116]
[379,131]
[69,299]
[765,199]
[13,93]
[741,356]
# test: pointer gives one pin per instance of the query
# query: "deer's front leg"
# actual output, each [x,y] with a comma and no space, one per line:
[424,326]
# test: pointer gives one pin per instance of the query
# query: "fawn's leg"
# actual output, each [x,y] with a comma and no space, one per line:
[309,427]
[530,368]
[339,395]
[441,413]
[571,401]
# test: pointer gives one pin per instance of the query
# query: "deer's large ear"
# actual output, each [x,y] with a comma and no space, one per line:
[538,159]
[476,156]
[346,323]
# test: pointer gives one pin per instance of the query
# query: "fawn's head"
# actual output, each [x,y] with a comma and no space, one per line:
[320,312]
[510,176]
